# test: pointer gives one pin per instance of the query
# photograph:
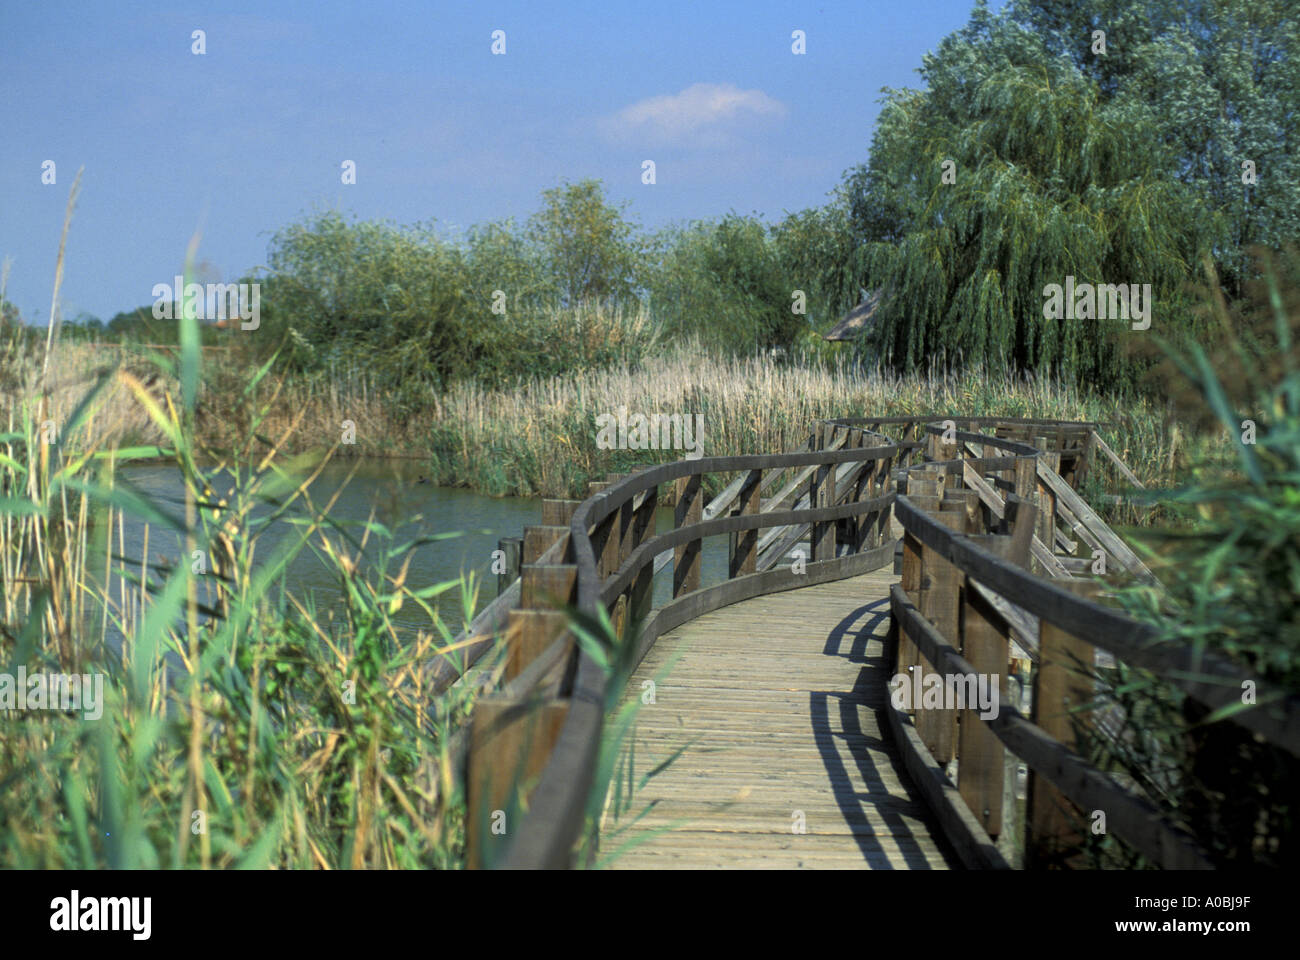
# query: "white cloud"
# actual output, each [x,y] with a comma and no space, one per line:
[702,109]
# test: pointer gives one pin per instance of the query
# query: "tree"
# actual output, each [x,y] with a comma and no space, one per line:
[1012,171]
[817,251]
[589,248]
[1223,77]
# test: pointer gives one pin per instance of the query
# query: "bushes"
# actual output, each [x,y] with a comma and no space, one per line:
[1231,578]
[729,285]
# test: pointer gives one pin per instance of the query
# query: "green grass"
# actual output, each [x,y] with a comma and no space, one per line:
[241,729]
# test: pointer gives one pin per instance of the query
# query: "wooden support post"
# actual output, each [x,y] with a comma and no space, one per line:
[821,493]
[529,634]
[981,771]
[1044,497]
[883,484]
[687,557]
[1020,523]
[1062,684]
[969,502]
[538,539]
[605,544]
[744,543]
[511,549]
[947,450]
[940,604]
[643,529]
[1027,490]
[1086,456]
[862,527]
[510,742]
[908,655]
[559,512]
[547,586]
[1026,477]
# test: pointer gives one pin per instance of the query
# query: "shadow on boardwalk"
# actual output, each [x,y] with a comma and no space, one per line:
[790,768]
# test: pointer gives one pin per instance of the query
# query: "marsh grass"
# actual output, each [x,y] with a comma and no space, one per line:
[240,728]
[538,437]
[1230,576]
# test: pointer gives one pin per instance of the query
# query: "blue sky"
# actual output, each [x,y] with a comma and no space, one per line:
[250,137]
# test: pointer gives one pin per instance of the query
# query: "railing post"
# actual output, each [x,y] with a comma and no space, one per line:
[531,628]
[558,513]
[908,655]
[687,557]
[643,528]
[511,738]
[821,493]
[510,742]
[981,770]
[538,539]
[885,482]
[1044,496]
[864,525]
[744,543]
[939,603]
[621,546]
[511,549]
[1062,684]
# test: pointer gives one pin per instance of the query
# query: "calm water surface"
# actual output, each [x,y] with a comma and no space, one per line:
[411,509]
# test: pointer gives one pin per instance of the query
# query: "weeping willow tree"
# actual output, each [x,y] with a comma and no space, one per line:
[1012,171]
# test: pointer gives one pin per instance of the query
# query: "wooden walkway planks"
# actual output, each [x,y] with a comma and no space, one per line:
[780,693]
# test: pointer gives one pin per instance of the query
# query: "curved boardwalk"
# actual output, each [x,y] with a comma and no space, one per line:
[780,695]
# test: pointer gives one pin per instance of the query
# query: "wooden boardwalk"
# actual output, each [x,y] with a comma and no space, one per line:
[780,694]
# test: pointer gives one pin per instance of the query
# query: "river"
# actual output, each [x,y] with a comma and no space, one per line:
[408,507]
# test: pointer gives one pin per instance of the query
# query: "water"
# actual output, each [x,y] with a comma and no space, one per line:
[410,508]
[393,490]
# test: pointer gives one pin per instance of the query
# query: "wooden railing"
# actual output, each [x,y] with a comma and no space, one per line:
[968,589]
[546,725]
[992,528]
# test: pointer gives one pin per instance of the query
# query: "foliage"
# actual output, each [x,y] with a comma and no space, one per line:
[724,283]
[590,250]
[1012,171]
[1223,77]
[1230,579]
[1122,167]
[232,734]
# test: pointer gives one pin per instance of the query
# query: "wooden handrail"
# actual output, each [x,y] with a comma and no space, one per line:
[1073,622]
[607,560]
[558,804]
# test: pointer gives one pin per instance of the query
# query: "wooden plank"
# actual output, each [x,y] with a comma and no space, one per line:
[510,742]
[771,691]
[981,765]
[1125,472]
[1088,517]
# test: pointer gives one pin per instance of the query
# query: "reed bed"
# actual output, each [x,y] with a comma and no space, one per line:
[537,437]
[235,725]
